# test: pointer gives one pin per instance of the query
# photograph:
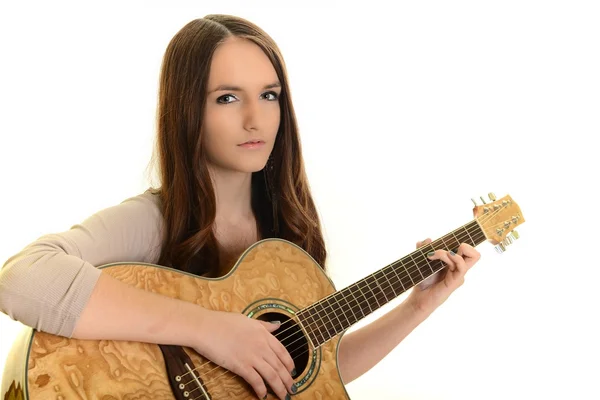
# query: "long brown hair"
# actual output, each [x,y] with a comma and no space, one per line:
[281,197]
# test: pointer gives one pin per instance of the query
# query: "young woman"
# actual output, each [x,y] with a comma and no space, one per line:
[231,173]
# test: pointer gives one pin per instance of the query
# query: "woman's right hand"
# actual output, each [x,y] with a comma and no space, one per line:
[246,347]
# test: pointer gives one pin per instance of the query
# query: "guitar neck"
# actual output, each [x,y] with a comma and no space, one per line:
[334,314]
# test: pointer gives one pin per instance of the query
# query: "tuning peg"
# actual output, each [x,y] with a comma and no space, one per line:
[492,196]
[481,197]
[515,234]
[500,248]
[474,202]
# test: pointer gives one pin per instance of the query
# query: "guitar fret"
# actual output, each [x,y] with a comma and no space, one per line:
[368,285]
[360,303]
[408,273]
[414,270]
[428,262]
[346,307]
[380,287]
[313,328]
[389,285]
[468,234]
[365,299]
[455,240]
[446,247]
[377,291]
[426,272]
[354,304]
[418,267]
[319,322]
[333,314]
[405,275]
[332,311]
[339,312]
[399,281]
[324,326]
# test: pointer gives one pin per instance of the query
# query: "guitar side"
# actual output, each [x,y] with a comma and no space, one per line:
[272,277]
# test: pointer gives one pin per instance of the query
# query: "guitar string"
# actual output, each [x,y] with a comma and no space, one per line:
[386,272]
[225,371]
[292,351]
[398,280]
[462,228]
[367,299]
[374,296]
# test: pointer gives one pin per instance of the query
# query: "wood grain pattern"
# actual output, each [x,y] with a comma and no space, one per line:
[271,271]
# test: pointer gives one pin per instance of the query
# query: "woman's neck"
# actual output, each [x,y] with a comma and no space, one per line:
[233,196]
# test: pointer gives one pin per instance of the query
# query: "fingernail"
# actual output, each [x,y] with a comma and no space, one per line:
[451,252]
[294,389]
[287,397]
[430,254]
[294,371]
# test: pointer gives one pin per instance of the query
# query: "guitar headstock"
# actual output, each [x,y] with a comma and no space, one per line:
[498,220]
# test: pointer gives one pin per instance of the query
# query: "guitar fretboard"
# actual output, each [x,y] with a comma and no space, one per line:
[339,311]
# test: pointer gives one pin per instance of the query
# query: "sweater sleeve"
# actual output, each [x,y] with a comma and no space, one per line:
[48,283]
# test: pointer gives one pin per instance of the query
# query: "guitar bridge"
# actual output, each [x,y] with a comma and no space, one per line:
[179,368]
[204,393]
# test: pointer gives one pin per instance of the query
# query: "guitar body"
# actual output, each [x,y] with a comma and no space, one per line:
[272,280]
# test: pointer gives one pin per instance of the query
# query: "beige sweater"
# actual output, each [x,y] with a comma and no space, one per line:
[48,283]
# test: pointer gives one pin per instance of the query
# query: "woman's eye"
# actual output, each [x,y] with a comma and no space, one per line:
[223,98]
[273,95]
[229,98]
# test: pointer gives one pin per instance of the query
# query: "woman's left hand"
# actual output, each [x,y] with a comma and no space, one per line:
[432,292]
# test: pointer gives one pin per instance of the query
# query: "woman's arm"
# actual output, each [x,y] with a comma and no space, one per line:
[54,286]
[364,348]
[48,283]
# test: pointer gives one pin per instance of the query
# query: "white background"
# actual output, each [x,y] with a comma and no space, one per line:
[405,114]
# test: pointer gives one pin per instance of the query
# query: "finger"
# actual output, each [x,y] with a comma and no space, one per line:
[443,256]
[283,355]
[459,262]
[470,252]
[271,376]
[423,243]
[271,326]
[284,373]
[254,379]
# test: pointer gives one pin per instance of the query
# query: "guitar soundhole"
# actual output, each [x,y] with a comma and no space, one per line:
[292,338]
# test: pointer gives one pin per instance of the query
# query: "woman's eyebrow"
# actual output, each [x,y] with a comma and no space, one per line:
[239,89]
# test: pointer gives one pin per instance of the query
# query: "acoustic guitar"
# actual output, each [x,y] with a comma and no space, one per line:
[272,280]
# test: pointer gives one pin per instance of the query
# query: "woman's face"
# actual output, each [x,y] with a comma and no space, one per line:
[242,111]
